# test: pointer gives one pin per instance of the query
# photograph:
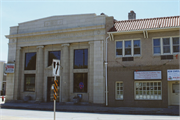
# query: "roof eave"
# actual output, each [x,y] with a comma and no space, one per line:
[141,30]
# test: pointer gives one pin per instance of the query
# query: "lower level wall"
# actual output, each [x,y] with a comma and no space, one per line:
[126,75]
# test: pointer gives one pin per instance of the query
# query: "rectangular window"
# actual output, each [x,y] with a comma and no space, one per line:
[80,82]
[127,47]
[176,44]
[119,48]
[119,90]
[156,43]
[137,47]
[166,45]
[148,90]
[29,82]
[81,59]
[53,55]
[30,61]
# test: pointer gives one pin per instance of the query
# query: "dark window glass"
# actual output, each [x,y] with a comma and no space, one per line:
[136,47]
[80,82]
[53,55]
[29,82]
[119,48]
[156,43]
[81,59]
[166,45]
[127,47]
[30,61]
[176,45]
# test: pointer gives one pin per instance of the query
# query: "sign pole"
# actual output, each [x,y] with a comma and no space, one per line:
[54,102]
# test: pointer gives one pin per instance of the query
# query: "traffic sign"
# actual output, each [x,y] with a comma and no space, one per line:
[56,67]
[55,89]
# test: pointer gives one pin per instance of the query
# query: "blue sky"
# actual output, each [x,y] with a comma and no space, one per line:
[13,12]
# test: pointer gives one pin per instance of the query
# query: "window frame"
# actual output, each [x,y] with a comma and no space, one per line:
[119,90]
[161,45]
[146,89]
[132,48]
[49,56]
[86,82]
[25,60]
[33,75]
[74,58]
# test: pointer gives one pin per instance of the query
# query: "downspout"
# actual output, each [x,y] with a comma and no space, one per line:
[106,73]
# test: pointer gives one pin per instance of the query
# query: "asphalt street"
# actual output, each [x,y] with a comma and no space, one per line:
[14,114]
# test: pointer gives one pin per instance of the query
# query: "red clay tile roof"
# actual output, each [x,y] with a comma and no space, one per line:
[150,23]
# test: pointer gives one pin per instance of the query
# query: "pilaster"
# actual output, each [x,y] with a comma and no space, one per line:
[40,74]
[65,73]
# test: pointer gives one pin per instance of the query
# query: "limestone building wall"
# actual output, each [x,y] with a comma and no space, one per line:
[59,33]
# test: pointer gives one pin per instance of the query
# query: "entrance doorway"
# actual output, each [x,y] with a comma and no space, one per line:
[174,93]
[50,89]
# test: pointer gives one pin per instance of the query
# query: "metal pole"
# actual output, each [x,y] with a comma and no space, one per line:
[106,74]
[55,103]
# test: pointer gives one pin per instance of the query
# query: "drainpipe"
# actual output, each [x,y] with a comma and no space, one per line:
[106,73]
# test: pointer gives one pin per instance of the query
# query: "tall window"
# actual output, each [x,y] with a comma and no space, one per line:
[80,82]
[119,90]
[53,55]
[128,48]
[29,82]
[30,61]
[148,90]
[81,59]
[137,47]
[165,46]
[157,48]
[119,48]
[176,45]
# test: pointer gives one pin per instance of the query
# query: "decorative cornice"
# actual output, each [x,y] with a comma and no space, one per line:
[57,31]
[40,46]
[91,42]
[65,45]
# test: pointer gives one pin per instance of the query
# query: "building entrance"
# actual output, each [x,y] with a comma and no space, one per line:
[174,93]
[50,89]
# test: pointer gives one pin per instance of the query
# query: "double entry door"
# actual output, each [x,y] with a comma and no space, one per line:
[50,89]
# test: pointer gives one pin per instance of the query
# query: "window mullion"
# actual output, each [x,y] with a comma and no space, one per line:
[123,48]
[171,45]
[132,48]
[161,46]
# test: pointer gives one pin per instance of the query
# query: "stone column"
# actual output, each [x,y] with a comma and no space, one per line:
[65,73]
[40,73]
[90,73]
[17,75]
[98,68]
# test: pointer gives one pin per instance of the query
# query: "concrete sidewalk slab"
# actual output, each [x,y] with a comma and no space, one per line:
[92,108]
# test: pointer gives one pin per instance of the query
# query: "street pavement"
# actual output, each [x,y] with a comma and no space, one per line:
[14,114]
[90,108]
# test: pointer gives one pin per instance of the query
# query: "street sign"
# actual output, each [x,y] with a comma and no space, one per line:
[55,89]
[56,67]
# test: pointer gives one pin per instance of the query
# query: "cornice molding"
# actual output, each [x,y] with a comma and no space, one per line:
[57,31]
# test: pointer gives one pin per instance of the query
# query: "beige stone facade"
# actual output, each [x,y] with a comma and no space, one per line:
[65,34]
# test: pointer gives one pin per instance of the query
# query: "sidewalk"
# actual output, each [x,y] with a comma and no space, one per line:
[171,110]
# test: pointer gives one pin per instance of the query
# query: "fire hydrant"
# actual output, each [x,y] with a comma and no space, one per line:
[2,98]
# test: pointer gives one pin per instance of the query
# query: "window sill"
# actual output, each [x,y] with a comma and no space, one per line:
[147,99]
[119,99]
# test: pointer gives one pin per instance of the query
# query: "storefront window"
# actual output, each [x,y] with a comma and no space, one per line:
[80,82]
[29,82]
[119,90]
[148,90]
